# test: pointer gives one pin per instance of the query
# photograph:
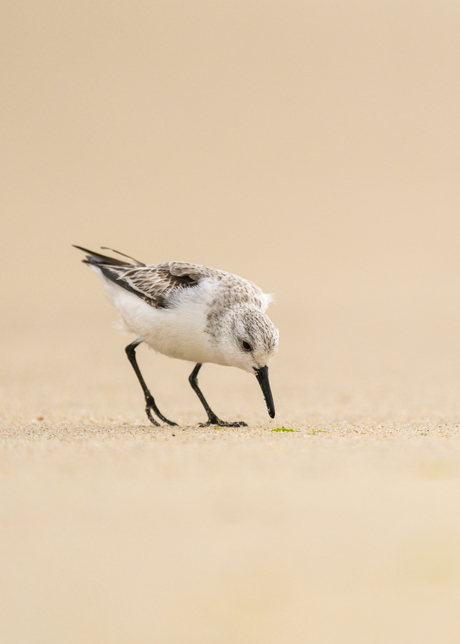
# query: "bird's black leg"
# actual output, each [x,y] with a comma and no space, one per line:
[149,401]
[212,418]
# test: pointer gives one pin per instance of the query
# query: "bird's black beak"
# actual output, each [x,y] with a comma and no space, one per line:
[262,377]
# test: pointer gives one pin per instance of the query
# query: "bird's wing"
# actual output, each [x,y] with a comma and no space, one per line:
[155,284]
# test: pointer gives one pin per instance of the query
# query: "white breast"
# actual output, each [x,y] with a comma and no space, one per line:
[178,332]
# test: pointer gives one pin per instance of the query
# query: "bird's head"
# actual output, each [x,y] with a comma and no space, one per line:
[249,340]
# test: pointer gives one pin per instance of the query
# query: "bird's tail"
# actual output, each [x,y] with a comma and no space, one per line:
[98,258]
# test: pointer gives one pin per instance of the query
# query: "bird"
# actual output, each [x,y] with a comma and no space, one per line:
[193,313]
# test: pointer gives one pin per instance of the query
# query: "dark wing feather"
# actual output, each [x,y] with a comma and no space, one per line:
[97,258]
[156,285]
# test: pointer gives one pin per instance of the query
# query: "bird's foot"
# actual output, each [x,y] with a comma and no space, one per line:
[151,405]
[222,423]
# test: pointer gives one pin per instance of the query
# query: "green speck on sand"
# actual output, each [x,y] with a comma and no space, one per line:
[285,429]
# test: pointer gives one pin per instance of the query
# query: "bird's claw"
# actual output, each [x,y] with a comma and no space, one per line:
[223,423]
[152,406]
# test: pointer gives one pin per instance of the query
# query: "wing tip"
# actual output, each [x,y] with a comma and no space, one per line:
[95,258]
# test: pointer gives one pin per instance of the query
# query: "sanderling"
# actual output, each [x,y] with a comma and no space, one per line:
[193,313]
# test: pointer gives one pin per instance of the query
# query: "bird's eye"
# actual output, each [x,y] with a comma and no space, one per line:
[246,346]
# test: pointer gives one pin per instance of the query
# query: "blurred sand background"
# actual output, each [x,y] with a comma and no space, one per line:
[313,147]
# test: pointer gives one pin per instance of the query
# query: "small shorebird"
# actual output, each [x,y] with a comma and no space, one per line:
[193,313]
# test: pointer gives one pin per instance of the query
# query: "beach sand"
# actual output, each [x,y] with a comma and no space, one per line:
[309,147]
[346,530]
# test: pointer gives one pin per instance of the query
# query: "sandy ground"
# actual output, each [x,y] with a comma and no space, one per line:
[112,530]
[313,148]
[117,533]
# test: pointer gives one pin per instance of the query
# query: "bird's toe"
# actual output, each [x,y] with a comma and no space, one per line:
[223,423]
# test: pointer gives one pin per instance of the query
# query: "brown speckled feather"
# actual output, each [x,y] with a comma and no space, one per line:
[156,284]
